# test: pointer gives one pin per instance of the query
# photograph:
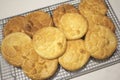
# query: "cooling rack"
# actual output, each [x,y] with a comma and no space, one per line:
[9,72]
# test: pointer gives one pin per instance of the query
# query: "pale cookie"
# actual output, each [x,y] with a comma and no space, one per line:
[38,68]
[100,42]
[73,25]
[101,20]
[49,42]
[38,19]
[75,56]
[88,7]
[61,10]
[15,24]
[12,47]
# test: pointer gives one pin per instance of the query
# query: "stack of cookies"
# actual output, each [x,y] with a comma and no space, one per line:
[37,42]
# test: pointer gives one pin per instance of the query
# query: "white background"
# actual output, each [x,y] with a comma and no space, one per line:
[13,7]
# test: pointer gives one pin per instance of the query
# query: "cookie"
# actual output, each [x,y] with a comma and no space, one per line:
[100,42]
[75,56]
[101,20]
[12,47]
[73,25]
[61,10]
[88,7]
[38,19]
[15,24]
[38,68]
[49,42]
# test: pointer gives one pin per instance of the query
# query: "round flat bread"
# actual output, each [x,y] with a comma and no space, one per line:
[100,20]
[61,10]
[12,47]
[15,24]
[75,56]
[49,42]
[88,7]
[38,68]
[38,20]
[101,42]
[73,25]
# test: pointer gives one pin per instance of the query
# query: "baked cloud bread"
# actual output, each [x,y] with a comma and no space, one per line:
[14,47]
[49,42]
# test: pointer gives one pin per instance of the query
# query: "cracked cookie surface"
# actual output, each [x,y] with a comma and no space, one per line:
[15,24]
[49,42]
[61,10]
[100,42]
[75,56]
[38,20]
[12,47]
[37,68]
[73,25]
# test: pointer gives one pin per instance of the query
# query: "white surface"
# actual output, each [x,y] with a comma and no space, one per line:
[109,73]
[14,7]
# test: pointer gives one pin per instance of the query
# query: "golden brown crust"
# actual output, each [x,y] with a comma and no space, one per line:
[75,56]
[100,20]
[101,42]
[15,24]
[61,10]
[73,25]
[12,47]
[38,19]
[88,7]
[38,68]
[49,42]
[95,12]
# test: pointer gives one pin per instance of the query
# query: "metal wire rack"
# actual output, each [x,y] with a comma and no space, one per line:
[9,72]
